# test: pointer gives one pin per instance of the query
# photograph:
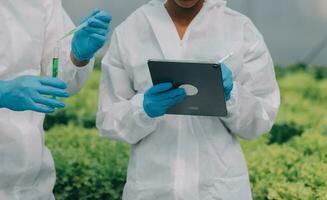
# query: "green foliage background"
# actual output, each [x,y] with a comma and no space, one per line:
[289,163]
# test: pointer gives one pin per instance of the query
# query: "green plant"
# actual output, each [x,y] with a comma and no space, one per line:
[80,109]
[320,72]
[61,117]
[282,71]
[292,167]
[293,170]
[88,167]
[281,133]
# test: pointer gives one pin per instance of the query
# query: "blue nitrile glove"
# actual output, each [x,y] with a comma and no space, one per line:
[90,39]
[27,93]
[159,98]
[228,81]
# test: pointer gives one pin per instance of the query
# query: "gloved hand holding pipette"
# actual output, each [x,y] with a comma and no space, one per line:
[91,35]
[227,77]
[228,81]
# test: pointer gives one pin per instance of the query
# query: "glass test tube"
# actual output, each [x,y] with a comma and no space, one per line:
[55,63]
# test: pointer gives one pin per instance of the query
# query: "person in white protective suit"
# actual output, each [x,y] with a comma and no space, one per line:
[29,30]
[186,157]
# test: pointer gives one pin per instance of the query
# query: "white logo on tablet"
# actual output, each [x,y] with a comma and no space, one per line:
[190,89]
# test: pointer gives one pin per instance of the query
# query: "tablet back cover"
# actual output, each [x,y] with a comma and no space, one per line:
[206,77]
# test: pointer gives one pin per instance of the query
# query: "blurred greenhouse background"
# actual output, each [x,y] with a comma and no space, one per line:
[289,163]
[294,29]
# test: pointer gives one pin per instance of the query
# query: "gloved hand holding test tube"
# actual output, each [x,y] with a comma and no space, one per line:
[94,42]
[56,52]
[55,60]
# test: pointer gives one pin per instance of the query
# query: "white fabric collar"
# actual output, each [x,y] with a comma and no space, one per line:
[164,29]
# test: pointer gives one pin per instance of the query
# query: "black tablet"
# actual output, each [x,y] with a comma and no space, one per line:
[202,81]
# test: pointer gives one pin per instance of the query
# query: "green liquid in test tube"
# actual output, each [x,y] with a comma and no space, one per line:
[55,63]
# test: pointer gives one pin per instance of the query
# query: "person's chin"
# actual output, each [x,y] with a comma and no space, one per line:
[186,3]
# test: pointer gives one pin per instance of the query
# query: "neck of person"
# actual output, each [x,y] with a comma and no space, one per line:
[180,15]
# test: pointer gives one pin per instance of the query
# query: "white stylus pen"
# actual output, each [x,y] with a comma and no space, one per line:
[226,58]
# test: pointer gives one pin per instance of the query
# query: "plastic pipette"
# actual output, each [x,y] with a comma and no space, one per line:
[226,58]
[74,30]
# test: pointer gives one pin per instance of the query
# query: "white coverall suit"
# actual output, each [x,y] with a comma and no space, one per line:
[29,31]
[187,157]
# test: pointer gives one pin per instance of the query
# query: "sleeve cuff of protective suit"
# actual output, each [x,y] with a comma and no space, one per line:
[74,76]
[87,68]
[71,71]
[141,118]
[232,104]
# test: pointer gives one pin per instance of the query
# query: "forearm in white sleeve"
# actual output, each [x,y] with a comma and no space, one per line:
[255,98]
[121,115]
